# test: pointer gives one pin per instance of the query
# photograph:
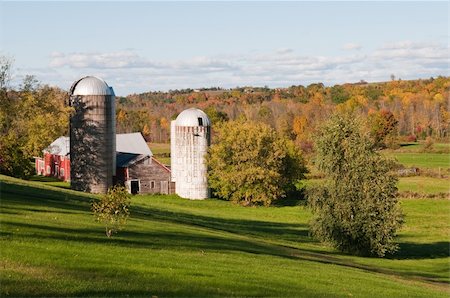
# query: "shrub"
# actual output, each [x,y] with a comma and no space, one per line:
[356,209]
[112,209]
[251,164]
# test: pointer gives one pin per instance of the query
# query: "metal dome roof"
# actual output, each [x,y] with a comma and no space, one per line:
[91,86]
[192,117]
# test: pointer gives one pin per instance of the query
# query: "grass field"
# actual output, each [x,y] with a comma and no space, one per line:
[425,185]
[422,160]
[411,155]
[161,151]
[51,246]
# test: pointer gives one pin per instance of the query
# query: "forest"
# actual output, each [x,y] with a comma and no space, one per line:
[403,110]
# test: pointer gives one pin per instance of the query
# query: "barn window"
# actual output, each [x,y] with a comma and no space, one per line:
[49,170]
[200,121]
[152,184]
[61,172]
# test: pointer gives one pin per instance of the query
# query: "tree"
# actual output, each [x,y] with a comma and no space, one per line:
[251,164]
[381,125]
[356,210]
[338,94]
[113,209]
[215,116]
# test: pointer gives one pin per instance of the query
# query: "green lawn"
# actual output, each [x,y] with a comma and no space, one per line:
[422,160]
[425,185]
[161,151]
[51,246]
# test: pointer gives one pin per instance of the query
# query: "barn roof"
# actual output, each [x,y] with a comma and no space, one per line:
[132,143]
[60,146]
[125,159]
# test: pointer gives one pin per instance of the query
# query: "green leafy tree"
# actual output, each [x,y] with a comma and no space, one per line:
[215,115]
[113,209]
[356,209]
[251,164]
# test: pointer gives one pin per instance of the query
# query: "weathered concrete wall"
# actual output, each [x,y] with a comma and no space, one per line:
[92,143]
[189,166]
[173,152]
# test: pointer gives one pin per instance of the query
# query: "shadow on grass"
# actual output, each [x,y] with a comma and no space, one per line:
[181,241]
[27,196]
[409,250]
[283,231]
[38,178]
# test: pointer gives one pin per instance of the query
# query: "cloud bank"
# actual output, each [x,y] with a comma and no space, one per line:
[130,72]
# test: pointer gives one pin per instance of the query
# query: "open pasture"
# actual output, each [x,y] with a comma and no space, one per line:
[51,246]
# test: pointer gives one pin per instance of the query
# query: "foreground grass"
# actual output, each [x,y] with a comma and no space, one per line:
[51,246]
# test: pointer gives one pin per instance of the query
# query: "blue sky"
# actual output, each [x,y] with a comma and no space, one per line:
[143,46]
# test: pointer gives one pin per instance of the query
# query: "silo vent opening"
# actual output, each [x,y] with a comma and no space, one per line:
[200,121]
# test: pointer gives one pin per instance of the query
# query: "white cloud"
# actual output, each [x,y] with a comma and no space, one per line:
[130,72]
[351,46]
[122,59]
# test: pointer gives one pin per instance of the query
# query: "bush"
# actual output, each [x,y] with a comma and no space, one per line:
[251,164]
[112,209]
[356,210]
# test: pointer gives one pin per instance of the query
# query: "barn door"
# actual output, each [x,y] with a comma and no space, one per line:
[134,185]
[165,187]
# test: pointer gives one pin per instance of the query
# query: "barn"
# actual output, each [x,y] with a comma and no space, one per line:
[56,160]
[136,168]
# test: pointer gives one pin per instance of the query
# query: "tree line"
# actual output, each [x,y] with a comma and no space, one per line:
[397,110]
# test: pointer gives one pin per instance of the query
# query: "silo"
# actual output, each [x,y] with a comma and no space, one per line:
[190,139]
[92,135]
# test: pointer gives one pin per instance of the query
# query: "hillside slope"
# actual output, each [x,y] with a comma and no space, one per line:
[51,246]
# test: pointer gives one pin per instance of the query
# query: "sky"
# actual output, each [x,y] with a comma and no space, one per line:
[157,46]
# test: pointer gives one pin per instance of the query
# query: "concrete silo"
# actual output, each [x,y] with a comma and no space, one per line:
[190,139]
[92,135]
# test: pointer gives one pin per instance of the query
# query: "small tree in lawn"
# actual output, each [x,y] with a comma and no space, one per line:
[112,209]
[356,209]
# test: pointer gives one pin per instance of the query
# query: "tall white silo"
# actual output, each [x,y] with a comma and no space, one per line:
[190,139]
[92,135]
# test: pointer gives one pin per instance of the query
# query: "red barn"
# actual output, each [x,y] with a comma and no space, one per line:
[56,160]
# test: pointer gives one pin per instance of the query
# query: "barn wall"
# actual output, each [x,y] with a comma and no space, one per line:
[147,171]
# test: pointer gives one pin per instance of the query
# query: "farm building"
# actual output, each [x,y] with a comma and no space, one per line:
[92,135]
[56,160]
[136,168]
[190,137]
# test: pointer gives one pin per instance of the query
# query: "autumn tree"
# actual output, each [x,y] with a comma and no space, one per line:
[356,209]
[30,119]
[381,126]
[250,164]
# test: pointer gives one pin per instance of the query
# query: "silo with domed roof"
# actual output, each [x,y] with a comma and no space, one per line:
[92,135]
[190,139]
